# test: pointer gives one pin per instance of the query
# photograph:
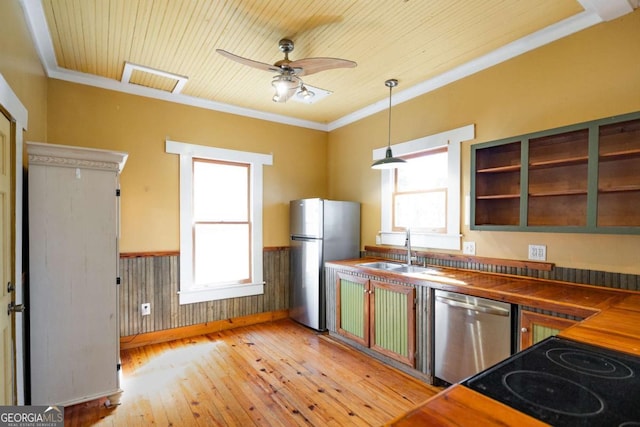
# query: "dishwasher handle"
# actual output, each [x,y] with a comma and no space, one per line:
[478,308]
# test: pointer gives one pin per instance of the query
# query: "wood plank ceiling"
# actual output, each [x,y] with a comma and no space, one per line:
[411,40]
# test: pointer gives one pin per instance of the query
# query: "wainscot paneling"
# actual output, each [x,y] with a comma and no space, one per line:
[154,279]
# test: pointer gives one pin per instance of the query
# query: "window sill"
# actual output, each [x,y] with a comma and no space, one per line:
[220,293]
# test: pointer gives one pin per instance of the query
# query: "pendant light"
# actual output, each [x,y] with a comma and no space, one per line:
[389,162]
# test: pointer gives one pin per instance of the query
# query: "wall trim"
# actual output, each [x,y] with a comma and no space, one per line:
[172,334]
[149,254]
[177,252]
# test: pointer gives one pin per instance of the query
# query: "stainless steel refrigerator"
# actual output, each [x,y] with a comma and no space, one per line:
[321,230]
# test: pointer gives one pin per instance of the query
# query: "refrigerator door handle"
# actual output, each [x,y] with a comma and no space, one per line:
[304,239]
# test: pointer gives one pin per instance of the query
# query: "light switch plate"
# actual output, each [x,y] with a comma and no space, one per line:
[538,252]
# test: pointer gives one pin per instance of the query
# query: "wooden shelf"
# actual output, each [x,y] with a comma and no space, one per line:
[558,193]
[498,196]
[498,169]
[620,189]
[559,162]
[613,155]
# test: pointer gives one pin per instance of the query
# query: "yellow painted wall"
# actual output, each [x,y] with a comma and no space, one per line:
[589,75]
[586,76]
[21,68]
[92,117]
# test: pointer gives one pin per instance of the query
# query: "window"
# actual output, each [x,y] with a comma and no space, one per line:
[221,225]
[425,194]
[420,193]
[220,222]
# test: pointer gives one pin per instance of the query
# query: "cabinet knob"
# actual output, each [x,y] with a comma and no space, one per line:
[524,330]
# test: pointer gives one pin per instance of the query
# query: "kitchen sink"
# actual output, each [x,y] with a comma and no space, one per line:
[396,267]
[411,269]
[381,265]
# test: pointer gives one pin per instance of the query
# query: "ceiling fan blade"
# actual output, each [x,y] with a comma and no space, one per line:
[250,62]
[315,65]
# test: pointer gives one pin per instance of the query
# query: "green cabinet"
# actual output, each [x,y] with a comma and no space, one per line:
[579,178]
[535,327]
[378,315]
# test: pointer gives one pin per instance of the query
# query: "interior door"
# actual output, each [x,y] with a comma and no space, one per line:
[6,322]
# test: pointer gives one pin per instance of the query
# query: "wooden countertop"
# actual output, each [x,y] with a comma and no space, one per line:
[611,319]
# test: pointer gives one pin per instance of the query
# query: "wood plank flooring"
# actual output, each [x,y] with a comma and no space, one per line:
[270,374]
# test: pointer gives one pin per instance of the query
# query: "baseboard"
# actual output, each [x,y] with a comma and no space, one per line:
[155,337]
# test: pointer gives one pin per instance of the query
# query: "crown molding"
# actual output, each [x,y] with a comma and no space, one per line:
[596,11]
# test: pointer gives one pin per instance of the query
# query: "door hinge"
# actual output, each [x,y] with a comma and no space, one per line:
[117,280]
[15,308]
[117,192]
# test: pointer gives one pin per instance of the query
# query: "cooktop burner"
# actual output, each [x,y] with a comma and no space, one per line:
[566,383]
[553,392]
[589,363]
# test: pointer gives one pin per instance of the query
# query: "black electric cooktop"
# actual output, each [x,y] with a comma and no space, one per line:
[566,383]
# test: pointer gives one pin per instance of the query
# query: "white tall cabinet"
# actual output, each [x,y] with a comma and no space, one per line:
[73,273]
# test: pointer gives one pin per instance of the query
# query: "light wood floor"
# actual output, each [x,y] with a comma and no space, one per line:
[270,374]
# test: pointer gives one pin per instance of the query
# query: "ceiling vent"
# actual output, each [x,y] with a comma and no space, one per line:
[155,79]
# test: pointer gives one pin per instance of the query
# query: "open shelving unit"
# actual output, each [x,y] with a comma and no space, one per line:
[498,184]
[619,174]
[580,178]
[558,179]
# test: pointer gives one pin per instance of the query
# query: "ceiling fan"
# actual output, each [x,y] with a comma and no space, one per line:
[288,82]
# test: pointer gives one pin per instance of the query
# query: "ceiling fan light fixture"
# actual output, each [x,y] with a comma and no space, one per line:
[285,85]
[306,93]
[389,162]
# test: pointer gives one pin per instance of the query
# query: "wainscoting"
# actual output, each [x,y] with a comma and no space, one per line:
[547,271]
[154,278]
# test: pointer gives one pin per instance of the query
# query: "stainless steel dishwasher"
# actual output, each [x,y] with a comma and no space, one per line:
[471,334]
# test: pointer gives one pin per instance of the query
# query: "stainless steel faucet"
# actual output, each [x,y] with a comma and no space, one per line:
[407,243]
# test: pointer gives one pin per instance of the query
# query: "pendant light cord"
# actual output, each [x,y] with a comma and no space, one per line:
[389,162]
[389,138]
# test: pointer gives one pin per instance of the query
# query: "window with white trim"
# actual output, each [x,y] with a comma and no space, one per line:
[420,192]
[220,222]
[419,198]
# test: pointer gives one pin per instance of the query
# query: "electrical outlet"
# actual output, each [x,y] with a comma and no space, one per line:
[538,252]
[469,248]
[145,309]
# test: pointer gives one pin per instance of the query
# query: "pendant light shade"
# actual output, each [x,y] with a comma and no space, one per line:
[389,162]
